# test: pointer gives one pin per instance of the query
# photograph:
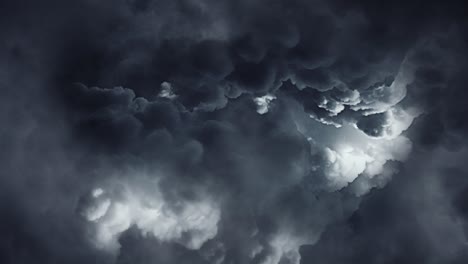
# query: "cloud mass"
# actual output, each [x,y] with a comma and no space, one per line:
[263,132]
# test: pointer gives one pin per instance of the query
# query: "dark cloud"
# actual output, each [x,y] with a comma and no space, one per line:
[140,131]
[417,217]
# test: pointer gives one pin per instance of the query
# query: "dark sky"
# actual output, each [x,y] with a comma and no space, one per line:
[233,132]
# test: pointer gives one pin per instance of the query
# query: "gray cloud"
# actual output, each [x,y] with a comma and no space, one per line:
[232,132]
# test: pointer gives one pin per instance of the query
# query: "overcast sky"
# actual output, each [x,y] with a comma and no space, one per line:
[233,132]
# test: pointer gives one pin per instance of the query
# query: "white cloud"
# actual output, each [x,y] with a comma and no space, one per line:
[398,121]
[285,247]
[344,164]
[367,157]
[191,225]
[332,106]
[263,103]
[348,152]
[167,91]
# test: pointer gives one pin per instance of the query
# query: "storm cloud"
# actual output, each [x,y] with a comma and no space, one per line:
[269,132]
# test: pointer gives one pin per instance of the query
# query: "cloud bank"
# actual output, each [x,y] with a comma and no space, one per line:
[269,132]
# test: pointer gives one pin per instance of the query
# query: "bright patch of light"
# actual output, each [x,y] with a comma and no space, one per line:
[167,91]
[97,192]
[191,225]
[263,103]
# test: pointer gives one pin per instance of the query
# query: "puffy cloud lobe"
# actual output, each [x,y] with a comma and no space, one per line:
[167,91]
[263,103]
[317,79]
[190,224]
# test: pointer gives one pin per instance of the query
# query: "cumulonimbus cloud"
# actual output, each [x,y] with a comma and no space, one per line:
[226,131]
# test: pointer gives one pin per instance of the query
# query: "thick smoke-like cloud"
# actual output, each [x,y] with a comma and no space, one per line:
[273,132]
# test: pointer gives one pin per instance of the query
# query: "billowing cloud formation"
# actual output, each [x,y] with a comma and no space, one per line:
[141,131]
[191,224]
[332,156]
